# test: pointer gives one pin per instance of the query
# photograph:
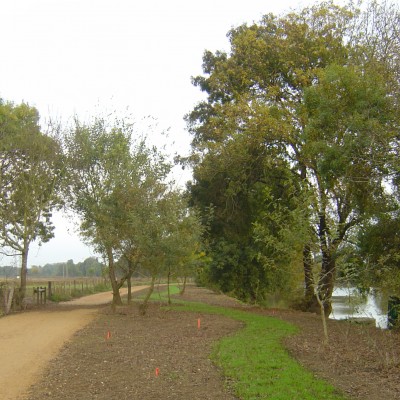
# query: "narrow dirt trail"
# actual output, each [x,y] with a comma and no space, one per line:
[28,341]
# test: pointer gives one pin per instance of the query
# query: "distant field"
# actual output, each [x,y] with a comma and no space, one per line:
[40,290]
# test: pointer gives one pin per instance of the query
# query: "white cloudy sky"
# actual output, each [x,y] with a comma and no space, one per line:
[69,57]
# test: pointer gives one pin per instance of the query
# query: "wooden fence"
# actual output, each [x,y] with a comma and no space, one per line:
[38,292]
[6,297]
[75,287]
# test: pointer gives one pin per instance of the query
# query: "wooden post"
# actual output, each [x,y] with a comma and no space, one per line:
[8,297]
[49,288]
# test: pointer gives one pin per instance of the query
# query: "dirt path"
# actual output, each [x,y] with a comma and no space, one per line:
[28,341]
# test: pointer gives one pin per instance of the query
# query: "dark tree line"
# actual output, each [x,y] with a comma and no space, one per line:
[295,150]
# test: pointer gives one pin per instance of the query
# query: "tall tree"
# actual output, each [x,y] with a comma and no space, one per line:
[155,240]
[299,94]
[31,173]
[139,202]
[350,129]
[106,164]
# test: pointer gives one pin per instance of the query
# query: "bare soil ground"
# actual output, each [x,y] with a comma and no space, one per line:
[165,355]
[362,361]
[29,340]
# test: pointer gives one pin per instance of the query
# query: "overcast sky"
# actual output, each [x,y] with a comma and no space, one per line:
[83,57]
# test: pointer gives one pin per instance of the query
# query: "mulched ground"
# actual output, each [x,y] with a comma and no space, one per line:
[164,355]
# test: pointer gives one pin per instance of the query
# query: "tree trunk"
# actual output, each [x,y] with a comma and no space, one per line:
[129,281]
[308,273]
[24,271]
[323,318]
[143,306]
[328,267]
[310,302]
[182,291]
[116,301]
[168,282]
[327,280]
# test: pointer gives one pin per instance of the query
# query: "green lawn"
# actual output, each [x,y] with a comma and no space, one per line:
[257,363]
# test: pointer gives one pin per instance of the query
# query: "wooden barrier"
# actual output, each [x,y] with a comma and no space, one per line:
[73,287]
[40,295]
[6,298]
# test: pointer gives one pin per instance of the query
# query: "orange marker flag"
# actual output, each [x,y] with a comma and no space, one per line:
[157,371]
[108,335]
[198,323]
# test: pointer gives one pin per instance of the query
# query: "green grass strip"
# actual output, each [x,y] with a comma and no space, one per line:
[258,364]
[163,294]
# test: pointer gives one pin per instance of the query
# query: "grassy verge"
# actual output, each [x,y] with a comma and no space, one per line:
[100,287]
[257,363]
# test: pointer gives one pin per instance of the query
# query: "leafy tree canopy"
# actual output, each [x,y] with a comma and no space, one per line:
[299,119]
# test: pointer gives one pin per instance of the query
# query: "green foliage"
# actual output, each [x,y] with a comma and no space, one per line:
[111,172]
[59,297]
[291,146]
[99,162]
[379,255]
[118,186]
[31,177]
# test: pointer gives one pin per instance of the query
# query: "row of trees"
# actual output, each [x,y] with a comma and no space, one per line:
[295,151]
[295,159]
[117,186]
[89,267]
[111,178]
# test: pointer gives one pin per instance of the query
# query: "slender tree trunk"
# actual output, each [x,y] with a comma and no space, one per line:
[328,267]
[323,317]
[131,270]
[24,271]
[114,284]
[182,292]
[129,281]
[143,306]
[168,282]
[322,293]
[310,303]
[308,273]
[327,280]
